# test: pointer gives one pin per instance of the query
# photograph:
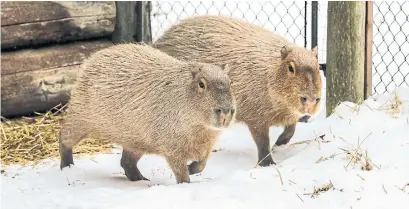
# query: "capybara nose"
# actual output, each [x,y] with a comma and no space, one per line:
[225,111]
[309,104]
[224,115]
[304,119]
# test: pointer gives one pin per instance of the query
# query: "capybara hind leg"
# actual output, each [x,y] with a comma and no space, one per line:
[285,137]
[129,162]
[260,136]
[67,140]
[199,165]
[180,170]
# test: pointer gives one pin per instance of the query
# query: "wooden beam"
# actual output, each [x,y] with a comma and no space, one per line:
[368,49]
[39,79]
[33,23]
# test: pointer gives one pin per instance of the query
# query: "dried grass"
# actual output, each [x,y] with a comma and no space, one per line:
[358,156]
[393,108]
[319,190]
[29,140]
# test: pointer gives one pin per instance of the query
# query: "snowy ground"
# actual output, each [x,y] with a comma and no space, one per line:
[230,179]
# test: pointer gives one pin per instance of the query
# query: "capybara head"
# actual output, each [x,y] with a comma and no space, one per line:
[300,72]
[210,87]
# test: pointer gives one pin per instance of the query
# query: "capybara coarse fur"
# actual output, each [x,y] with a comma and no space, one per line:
[275,81]
[148,102]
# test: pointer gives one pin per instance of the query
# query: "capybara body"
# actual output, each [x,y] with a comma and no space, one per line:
[150,103]
[275,82]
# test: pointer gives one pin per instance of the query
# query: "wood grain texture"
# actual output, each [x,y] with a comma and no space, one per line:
[37,80]
[33,23]
[345,53]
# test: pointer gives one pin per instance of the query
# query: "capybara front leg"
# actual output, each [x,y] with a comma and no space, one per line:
[199,165]
[66,156]
[67,139]
[260,136]
[180,169]
[287,134]
[129,162]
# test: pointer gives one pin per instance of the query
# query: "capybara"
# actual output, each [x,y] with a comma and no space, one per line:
[275,81]
[149,103]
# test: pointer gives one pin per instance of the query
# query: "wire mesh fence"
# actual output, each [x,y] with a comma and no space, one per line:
[390,45]
[292,20]
[286,18]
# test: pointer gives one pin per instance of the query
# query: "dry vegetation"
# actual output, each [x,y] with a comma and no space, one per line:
[29,140]
[357,155]
[322,189]
[393,108]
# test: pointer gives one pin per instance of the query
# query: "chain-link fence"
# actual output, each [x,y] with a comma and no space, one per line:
[286,18]
[390,45]
[293,20]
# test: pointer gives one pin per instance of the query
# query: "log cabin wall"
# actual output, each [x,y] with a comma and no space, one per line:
[42,47]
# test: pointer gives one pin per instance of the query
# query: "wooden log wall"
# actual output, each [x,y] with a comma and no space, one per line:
[43,45]
[32,23]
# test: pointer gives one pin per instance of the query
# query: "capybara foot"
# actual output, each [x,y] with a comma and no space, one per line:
[266,162]
[128,163]
[194,168]
[286,136]
[133,174]
[66,157]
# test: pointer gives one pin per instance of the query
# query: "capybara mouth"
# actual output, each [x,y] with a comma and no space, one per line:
[221,126]
[304,119]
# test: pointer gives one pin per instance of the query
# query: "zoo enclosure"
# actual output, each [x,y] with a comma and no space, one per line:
[305,24]
[53,38]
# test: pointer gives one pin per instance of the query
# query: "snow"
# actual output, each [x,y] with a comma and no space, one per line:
[230,179]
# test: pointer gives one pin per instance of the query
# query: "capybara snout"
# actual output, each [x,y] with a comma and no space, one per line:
[224,117]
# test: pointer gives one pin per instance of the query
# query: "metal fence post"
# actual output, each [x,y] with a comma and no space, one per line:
[143,9]
[314,24]
[368,49]
[305,24]
[132,22]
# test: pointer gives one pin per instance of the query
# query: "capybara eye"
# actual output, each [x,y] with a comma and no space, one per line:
[303,99]
[201,85]
[290,68]
[317,100]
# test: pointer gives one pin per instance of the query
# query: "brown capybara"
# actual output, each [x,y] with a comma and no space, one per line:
[148,102]
[275,82]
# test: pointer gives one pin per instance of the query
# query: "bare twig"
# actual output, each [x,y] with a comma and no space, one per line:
[281,178]
[360,177]
[299,197]
[383,187]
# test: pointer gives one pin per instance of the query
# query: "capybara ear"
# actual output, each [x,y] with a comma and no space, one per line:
[226,68]
[315,52]
[285,50]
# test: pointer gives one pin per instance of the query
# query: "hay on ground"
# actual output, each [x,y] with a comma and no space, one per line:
[29,140]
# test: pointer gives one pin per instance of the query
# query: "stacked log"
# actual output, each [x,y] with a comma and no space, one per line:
[43,45]
[33,23]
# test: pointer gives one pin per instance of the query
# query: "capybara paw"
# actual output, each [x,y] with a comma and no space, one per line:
[134,175]
[266,162]
[194,168]
[65,164]
[282,142]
